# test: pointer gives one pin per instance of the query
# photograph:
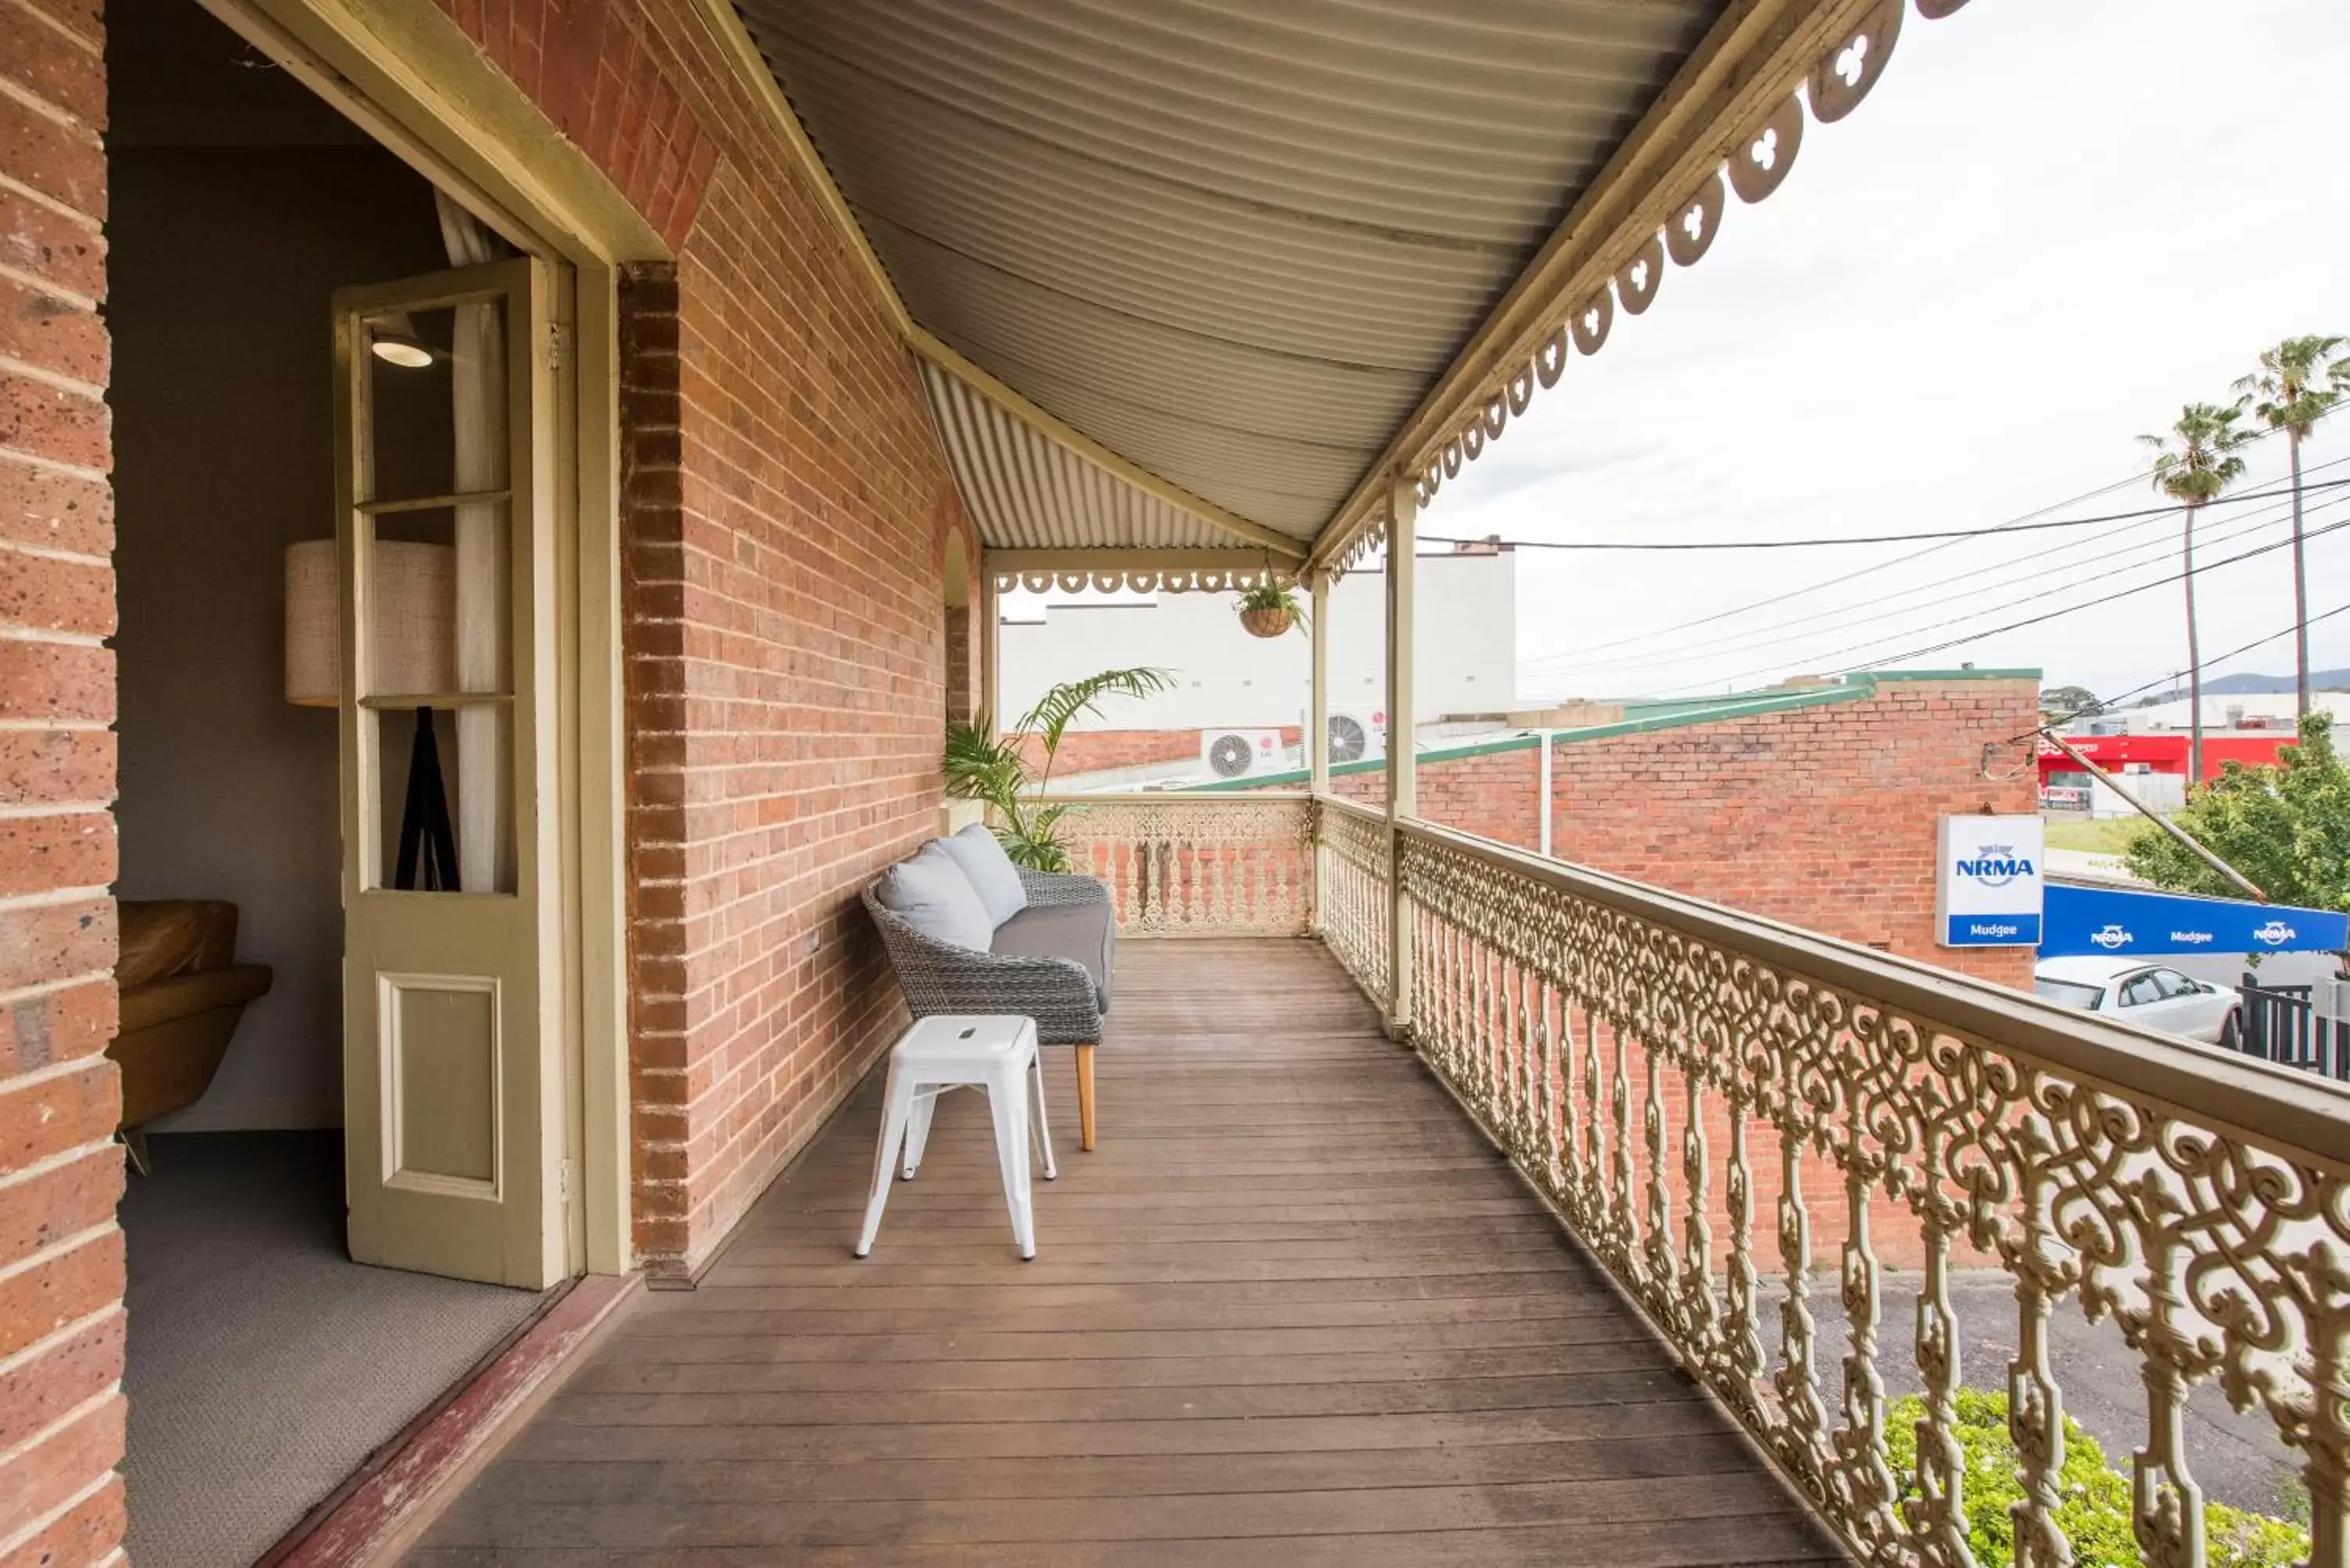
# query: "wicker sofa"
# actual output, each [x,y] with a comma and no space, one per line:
[1050,961]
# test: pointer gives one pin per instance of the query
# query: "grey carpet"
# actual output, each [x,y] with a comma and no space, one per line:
[264,1365]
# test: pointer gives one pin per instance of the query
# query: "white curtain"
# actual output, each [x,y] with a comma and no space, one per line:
[478,366]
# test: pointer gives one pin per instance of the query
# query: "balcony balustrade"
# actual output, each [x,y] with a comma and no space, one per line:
[1753,1127]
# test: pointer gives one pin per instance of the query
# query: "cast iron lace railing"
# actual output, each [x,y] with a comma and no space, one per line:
[1198,865]
[1722,1107]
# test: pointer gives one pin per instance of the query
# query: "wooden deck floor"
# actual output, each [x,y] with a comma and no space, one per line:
[1293,1312]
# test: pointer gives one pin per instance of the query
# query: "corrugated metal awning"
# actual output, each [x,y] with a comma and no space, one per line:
[1235,242]
[1264,256]
[1027,492]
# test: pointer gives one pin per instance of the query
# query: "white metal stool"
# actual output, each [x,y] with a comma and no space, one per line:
[996,1054]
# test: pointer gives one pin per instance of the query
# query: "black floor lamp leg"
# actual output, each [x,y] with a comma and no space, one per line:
[425,831]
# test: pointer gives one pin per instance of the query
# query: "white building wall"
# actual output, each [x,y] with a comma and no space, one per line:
[2224,712]
[1225,679]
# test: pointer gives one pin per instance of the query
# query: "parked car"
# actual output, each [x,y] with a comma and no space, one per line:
[2139,992]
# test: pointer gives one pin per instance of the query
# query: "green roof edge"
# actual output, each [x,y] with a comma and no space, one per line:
[1684,712]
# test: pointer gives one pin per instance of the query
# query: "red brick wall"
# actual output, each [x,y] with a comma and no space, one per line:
[1092,750]
[1823,817]
[784,614]
[963,624]
[962,667]
[603,82]
[61,1321]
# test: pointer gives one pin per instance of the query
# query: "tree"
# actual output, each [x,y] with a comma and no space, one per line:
[984,766]
[2286,826]
[2059,703]
[2285,394]
[2193,464]
[2094,1505]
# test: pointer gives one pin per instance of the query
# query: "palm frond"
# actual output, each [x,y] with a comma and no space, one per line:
[1061,704]
[980,766]
[2284,393]
[2195,462]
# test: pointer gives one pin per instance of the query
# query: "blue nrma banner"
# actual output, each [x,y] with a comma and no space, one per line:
[2078,920]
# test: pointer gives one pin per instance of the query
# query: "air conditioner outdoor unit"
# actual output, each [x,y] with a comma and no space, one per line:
[1359,733]
[1238,753]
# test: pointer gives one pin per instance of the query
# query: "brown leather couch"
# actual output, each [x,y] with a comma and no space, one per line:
[182,994]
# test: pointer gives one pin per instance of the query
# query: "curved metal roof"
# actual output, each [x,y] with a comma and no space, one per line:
[1027,492]
[1234,242]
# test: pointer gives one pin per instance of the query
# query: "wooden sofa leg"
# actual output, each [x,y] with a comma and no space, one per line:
[1085,1099]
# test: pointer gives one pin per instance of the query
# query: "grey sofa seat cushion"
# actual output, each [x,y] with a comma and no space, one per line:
[1081,931]
[931,893]
[993,876]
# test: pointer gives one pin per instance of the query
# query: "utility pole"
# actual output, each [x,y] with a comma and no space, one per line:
[2300,589]
[2179,834]
[2194,664]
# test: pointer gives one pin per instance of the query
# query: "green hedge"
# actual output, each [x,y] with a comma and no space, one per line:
[2095,1510]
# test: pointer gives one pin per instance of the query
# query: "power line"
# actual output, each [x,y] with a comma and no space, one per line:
[2145,552]
[2105,705]
[1652,545]
[1569,655]
[2138,477]
[1908,654]
[2092,604]
[1735,644]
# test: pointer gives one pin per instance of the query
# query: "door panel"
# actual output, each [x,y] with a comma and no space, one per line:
[452,1088]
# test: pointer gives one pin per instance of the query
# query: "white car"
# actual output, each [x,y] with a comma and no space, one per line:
[2138,992]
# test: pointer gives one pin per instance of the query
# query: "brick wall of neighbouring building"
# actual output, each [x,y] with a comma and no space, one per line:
[1096,751]
[1816,809]
[61,1279]
[1822,817]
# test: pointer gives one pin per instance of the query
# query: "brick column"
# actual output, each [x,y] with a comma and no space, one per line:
[61,1279]
[652,614]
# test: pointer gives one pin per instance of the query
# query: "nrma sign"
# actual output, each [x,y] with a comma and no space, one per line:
[2132,920]
[1997,866]
[1987,886]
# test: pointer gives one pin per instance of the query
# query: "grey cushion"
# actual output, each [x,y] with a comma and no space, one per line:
[993,876]
[931,894]
[1081,931]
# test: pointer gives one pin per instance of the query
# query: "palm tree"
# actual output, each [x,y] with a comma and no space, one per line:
[984,766]
[2285,394]
[2193,464]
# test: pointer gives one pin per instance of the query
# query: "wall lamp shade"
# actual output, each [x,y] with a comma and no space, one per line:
[415,614]
[401,349]
[394,339]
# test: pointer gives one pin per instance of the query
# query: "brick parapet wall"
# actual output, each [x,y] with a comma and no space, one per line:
[1099,750]
[61,1259]
[1823,816]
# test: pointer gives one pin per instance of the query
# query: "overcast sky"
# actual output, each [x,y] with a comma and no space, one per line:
[2052,222]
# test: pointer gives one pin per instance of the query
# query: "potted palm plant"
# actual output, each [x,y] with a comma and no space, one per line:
[984,765]
[1270,609]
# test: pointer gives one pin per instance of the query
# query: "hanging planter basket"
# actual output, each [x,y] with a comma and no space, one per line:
[1267,622]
